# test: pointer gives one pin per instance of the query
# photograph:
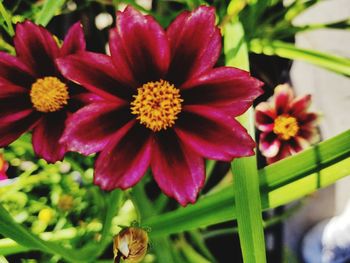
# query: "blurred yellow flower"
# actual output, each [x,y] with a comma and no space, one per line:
[46,215]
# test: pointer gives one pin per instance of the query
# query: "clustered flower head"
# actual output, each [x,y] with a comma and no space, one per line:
[33,93]
[286,125]
[159,102]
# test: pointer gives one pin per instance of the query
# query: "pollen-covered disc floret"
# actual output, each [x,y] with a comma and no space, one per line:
[286,126]
[157,105]
[49,94]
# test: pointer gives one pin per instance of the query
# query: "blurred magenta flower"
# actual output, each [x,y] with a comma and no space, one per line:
[286,125]
[33,94]
[3,168]
[165,105]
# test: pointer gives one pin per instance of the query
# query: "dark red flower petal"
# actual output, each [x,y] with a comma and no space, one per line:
[80,100]
[14,72]
[300,105]
[195,44]
[230,89]
[213,134]
[297,144]
[309,133]
[46,136]
[14,107]
[10,131]
[74,40]
[139,47]
[308,119]
[36,47]
[90,129]
[283,152]
[269,144]
[283,98]
[265,117]
[177,169]
[7,89]
[96,73]
[125,159]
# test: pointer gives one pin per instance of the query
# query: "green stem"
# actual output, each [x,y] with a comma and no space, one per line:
[161,245]
[113,204]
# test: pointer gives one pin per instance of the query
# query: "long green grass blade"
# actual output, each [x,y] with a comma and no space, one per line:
[280,183]
[48,11]
[290,51]
[245,170]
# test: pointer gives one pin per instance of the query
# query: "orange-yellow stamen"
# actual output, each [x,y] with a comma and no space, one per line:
[286,127]
[157,104]
[49,94]
[2,163]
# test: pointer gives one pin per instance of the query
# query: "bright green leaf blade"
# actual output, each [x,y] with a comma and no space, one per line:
[48,11]
[308,184]
[311,160]
[332,155]
[245,170]
[289,51]
[3,259]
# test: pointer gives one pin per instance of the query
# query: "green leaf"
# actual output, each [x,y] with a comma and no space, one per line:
[7,17]
[3,260]
[280,183]
[245,170]
[191,255]
[48,11]
[290,51]
[8,246]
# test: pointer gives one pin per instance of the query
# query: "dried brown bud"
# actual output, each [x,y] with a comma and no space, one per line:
[66,202]
[130,245]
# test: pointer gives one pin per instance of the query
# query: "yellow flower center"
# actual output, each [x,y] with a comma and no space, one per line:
[157,104]
[49,94]
[286,127]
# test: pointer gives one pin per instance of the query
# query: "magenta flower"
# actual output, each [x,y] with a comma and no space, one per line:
[3,168]
[33,94]
[286,125]
[165,105]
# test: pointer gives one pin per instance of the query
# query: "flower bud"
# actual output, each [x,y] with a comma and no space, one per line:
[130,245]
